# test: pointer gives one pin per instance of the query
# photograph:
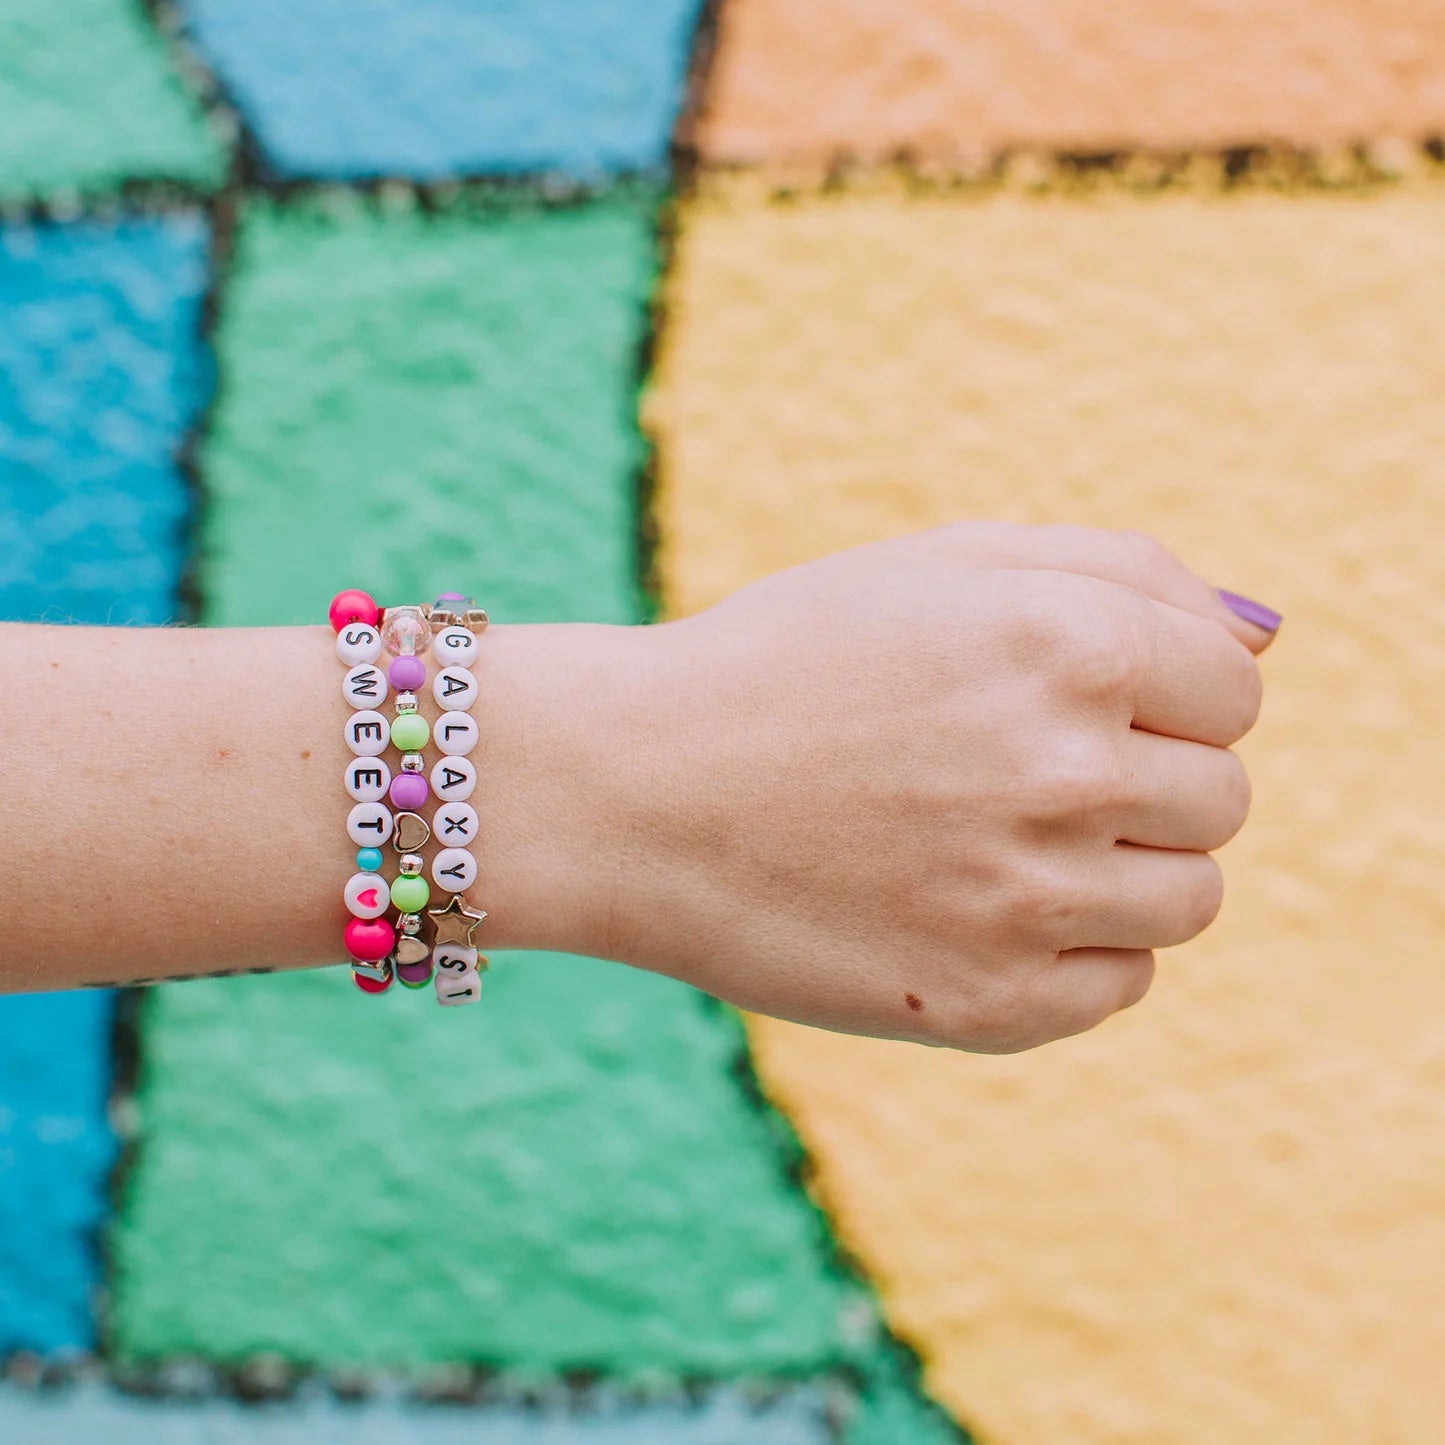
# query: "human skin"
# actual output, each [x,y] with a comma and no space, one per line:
[954,788]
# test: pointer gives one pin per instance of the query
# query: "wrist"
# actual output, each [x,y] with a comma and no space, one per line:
[553,767]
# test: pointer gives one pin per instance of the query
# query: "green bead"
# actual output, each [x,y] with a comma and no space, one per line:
[410,895]
[410,732]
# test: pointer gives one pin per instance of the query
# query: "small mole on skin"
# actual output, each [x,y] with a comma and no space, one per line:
[913,1002]
[305,754]
[55,665]
[223,752]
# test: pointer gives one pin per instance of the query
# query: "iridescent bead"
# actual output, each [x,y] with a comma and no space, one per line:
[405,631]
[407,673]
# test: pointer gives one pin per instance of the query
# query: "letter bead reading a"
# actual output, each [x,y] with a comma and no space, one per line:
[453,780]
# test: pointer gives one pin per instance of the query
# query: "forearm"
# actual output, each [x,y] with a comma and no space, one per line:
[174,799]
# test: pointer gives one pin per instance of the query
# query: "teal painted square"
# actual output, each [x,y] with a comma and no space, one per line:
[568,1176]
[102,371]
[434,88]
[88,101]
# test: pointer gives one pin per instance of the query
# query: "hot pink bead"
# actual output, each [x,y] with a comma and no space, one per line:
[406,674]
[369,939]
[353,605]
[409,791]
[371,985]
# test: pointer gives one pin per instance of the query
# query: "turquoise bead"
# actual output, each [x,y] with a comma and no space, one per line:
[369,860]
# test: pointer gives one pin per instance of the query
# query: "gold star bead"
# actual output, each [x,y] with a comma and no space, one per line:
[456,922]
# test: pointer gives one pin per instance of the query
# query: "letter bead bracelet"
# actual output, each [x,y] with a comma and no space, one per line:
[420,944]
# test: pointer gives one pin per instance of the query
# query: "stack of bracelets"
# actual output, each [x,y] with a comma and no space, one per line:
[387,805]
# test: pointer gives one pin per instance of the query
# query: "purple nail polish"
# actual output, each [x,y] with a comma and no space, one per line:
[1254,612]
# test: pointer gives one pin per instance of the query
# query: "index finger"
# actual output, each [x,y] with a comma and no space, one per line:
[1193,679]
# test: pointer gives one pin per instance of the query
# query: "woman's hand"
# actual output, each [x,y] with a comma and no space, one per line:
[952,788]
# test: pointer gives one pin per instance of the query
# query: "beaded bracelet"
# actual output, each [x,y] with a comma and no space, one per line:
[382,952]
[369,938]
[457,621]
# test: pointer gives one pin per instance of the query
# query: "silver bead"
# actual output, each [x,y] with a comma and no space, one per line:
[378,972]
[412,763]
[405,702]
[405,631]
[411,924]
[411,865]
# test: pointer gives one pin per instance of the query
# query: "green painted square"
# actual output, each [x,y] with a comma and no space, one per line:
[568,1176]
[88,101]
[422,399]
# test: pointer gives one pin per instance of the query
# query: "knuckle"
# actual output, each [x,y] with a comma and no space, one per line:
[1079,777]
[1238,794]
[1205,899]
[1147,554]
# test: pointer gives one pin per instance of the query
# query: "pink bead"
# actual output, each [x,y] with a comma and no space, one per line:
[406,674]
[369,939]
[353,605]
[409,791]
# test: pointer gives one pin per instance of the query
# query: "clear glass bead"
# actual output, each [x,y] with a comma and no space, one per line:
[405,632]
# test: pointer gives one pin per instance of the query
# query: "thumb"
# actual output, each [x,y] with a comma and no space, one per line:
[1252,622]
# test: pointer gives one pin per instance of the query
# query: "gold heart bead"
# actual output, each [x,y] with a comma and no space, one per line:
[412,833]
[411,950]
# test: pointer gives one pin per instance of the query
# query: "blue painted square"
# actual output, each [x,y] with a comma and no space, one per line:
[432,88]
[56,1151]
[102,372]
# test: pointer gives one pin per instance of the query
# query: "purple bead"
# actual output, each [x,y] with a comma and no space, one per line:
[409,791]
[415,973]
[406,674]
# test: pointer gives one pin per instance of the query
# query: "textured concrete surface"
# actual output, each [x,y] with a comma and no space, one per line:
[91,1414]
[947,79]
[1211,1219]
[448,87]
[102,373]
[571,1176]
[87,101]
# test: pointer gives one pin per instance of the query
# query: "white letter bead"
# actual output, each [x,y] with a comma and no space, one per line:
[456,647]
[454,688]
[367,734]
[458,988]
[454,825]
[454,869]
[368,825]
[367,779]
[452,780]
[454,958]
[364,686]
[456,733]
[358,643]
[368,895]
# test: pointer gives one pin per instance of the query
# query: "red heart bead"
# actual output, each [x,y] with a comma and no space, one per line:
[369,939]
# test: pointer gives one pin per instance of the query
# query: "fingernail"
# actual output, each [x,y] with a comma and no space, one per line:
[1252,611]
